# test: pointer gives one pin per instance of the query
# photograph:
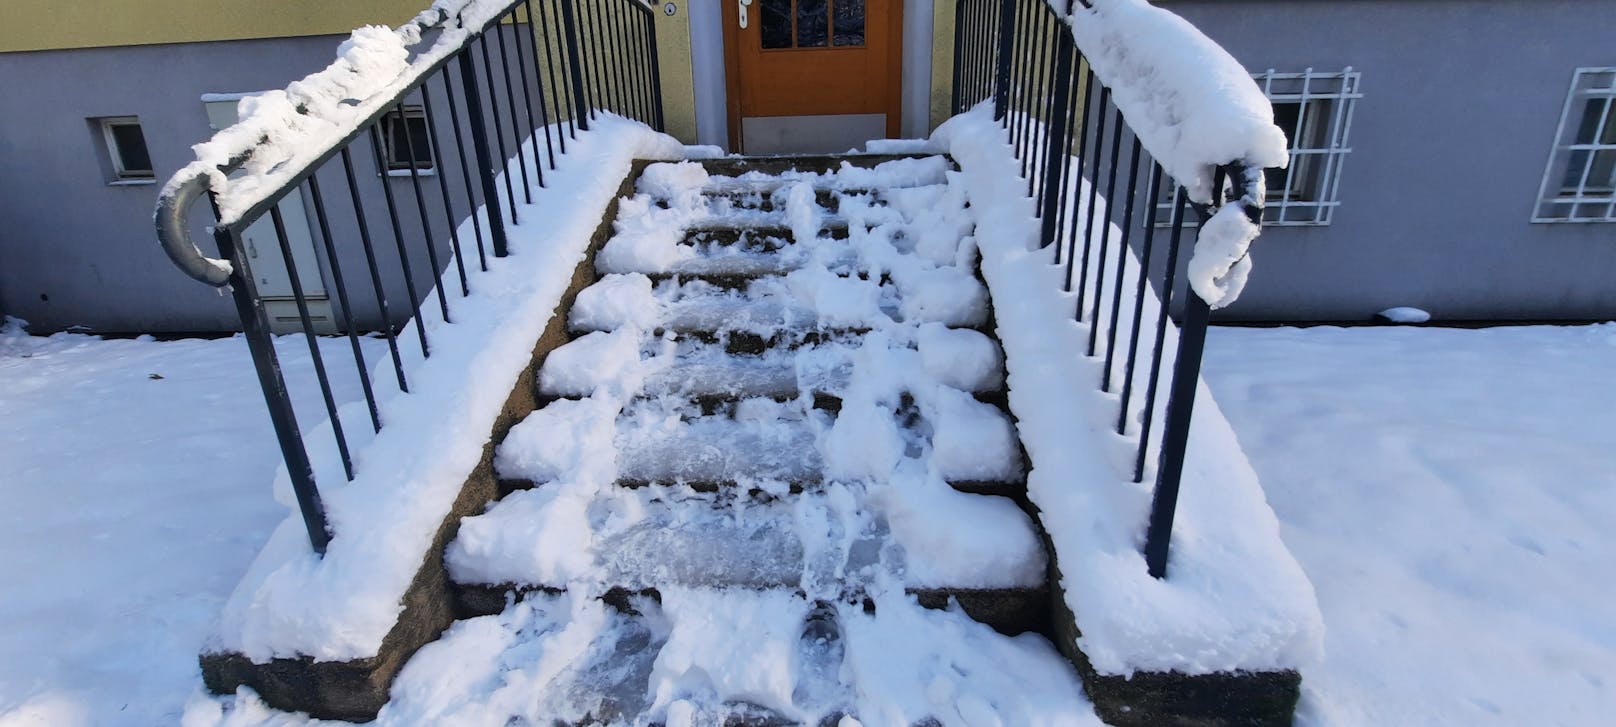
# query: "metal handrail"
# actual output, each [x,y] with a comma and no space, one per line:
[1061,122]
[190,184]
[451,32]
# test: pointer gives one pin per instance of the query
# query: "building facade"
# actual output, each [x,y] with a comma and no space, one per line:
[1454,155]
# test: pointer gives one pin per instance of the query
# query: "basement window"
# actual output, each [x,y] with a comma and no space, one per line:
[404,134]
[1579,185]
[126,149]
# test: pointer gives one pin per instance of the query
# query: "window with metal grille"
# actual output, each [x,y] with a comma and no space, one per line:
[1314,109]
[1579,185]
[405,136]
[126,149]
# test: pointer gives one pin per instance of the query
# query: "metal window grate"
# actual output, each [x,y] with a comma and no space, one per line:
[1315,111]
[1579,183]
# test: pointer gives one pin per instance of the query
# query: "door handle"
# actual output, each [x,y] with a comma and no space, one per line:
[744,4]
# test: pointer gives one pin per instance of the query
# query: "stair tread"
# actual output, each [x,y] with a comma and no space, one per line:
[669,538]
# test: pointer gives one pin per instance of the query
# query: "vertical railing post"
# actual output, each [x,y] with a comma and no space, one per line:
[1186,381]
[485,159]
[260,343]
[656,72]
[1001,71]
[1059,144]
[1176,433]
[569,27]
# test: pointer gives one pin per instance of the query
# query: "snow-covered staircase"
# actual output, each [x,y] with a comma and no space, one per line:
[777,438]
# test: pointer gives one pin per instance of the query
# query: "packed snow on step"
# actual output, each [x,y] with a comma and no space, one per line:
[704,656]
[877,502]
[1234,598]
[292,602]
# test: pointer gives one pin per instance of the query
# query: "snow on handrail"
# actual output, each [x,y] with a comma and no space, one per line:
[1193,106]
[284,135]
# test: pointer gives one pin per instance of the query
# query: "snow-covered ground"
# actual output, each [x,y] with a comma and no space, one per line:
[1451,495]
[129,507]
[1448,492]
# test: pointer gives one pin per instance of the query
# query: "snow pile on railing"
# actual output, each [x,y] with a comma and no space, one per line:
[282,132]
[1193,105]
[1235,598]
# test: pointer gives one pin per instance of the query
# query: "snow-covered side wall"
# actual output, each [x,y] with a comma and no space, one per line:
[1192,104]
[292,602]
[1235,598]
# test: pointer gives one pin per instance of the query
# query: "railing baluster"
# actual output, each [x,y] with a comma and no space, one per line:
[597,62]
[1122,261]
[499,135]
[522,58]
[580,95]
[615,44]
[420,208]
[656,73]
[1094,196]
[398,235]
[315,356]
[1070,118]
[1169,278]
[343,307]
[559,93]
[443,186]
[1139,297]
[1105,231]
[499,31]
[1082,161]
[1056,149]
[255,324]
[465,171]
[485,162]
[375,270]
[1001,72]
[538,81]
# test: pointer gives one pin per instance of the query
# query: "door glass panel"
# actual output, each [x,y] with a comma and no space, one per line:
[813,23]
[848,22]
[776,23]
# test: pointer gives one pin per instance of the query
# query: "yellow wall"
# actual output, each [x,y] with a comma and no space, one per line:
[942,61]
[678,78]
[53,24]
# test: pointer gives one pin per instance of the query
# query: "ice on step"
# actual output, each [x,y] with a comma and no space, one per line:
[716,449]
[835,538]
[729,646]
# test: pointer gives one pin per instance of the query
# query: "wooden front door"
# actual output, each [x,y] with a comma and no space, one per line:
[812,58]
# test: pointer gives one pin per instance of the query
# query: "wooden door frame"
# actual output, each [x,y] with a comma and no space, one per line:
[729,18]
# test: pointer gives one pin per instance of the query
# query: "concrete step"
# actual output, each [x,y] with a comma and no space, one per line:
[994,565]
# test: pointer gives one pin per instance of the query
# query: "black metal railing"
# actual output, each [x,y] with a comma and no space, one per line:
[1098,192]
[487,105]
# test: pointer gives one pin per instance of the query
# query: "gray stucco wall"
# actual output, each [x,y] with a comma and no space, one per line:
[1461,102]
[78,253]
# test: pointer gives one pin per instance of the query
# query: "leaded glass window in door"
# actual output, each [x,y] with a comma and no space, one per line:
[811,23]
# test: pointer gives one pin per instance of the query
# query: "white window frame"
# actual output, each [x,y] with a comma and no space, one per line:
[120,174]
[401,167]
[1590,200]
[1319,144]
